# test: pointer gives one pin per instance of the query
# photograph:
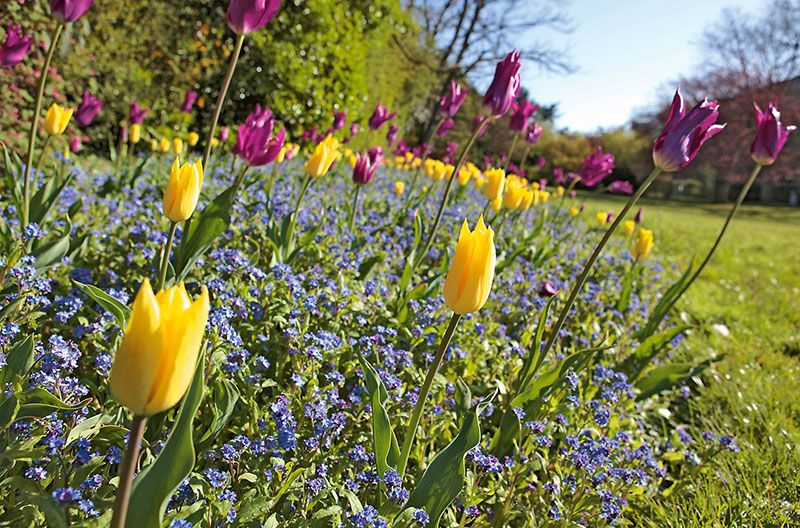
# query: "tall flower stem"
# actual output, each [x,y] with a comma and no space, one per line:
[126,469]
[461,159]
[423,394]
[221,97]
[43,153]
[569,190]
[525,157]
[162,276]
[353,209]
[26,184]
[551,338]
[511,151]
[731,214]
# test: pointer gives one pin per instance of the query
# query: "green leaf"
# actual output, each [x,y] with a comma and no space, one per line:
[666,377]
[384,440]
[19,361]
[635,364]
[157,482]
[666,302]
[367,265]
[224,397]
[627,288]
[51,253]
[36,403]
[205,228]
[120,312]
[443,479]
[534,359]
[46,196]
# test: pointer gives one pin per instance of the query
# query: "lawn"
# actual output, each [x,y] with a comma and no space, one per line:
[752,287]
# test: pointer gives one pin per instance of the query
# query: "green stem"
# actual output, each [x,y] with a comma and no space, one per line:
[353,209]
[511,151]
[525,156]
[43,153]
[731,214]
[439,213]
[221,97]
[162,276]
[551,338]
[423,394]
[126,470]
[571,187]
[26,185]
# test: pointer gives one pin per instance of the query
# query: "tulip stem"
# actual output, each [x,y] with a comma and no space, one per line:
[126,470]
[511,151]
[26,182]
[423,394]
[162,276]
[221,97]
[42,154]
[573,294]
[478,130]
[353,209]
[525,157]
[731,214]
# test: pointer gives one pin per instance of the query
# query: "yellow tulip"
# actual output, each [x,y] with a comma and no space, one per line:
[527,199]
[544,196]
[439,170]
[448,172]
[602,218]
[399,187]
[643,244]
[183,190]
[193,138]
[574,211]
[351,160]
[57,119]
[469,280]
[163,145]
[67,153]
[515,193]
[214,142]
[628,227]
[153,145]
[177,145]
[497,203]
[430,167]
[325,154]
[464,176]
[136,133]
[495,182]
[560,191]
[156,360]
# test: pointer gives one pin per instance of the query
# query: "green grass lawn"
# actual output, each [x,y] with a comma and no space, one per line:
[752,286]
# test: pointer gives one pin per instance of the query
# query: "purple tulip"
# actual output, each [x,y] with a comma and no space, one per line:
[137,114]
[596,167]
[684,133]
[548,289]
[90,106]
[422,151]
[505,86]
[353,129]
[254,140]
[522,114]
[15,47]
[75,144]
[542,184]
[380,116]
[391,135]
[450,152]
[639,215]
[445,127]
[224,134]
[541,161]
[558,175]
[610,217]
[246,16]
[366,165]
[770,136]
[69,10]
[339,119]
[401,149]
[451,102]
[620,187]
[188,101]
[533,134]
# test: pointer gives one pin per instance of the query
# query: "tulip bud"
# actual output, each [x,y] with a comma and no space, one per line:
[156,360]
[323,157]
[15,47]
[628,227]
[643,244]
[153,145]
[57,119]
[183,190]
[163,145]
[399,187]
[602,218]
[366,164]
[75,143]
[495,182]
[596,167]
[69,10]
[469,280]
[188,101]
[505,86]
[90,106]
[136,133]
[177,145]
[451,102]
[224,133]
[522,114]
[137,114]
[770,136]
[547,289]
[380,116]
[193,138]
[574,211]
[246,16]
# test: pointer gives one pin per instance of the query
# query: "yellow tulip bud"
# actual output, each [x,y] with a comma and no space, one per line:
[399,187]
[515,192]
[157,358]
[464,176]
[325,154]
[544,196]
[643,244]
[153,145]
[67,153]
[177,145]
[527,199]
[469,280]
[193,138]
[574,211]
[136,133]
[535,186]
[602,218]
[495,182]
[560,191]
[439,170]
[352,161]
[57,119]
[214,142]
[163,145]
[183,190]
[628,227]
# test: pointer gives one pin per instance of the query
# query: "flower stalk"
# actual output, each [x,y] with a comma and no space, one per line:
[126,469]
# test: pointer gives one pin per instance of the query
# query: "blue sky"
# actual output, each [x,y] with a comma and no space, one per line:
[624,51]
